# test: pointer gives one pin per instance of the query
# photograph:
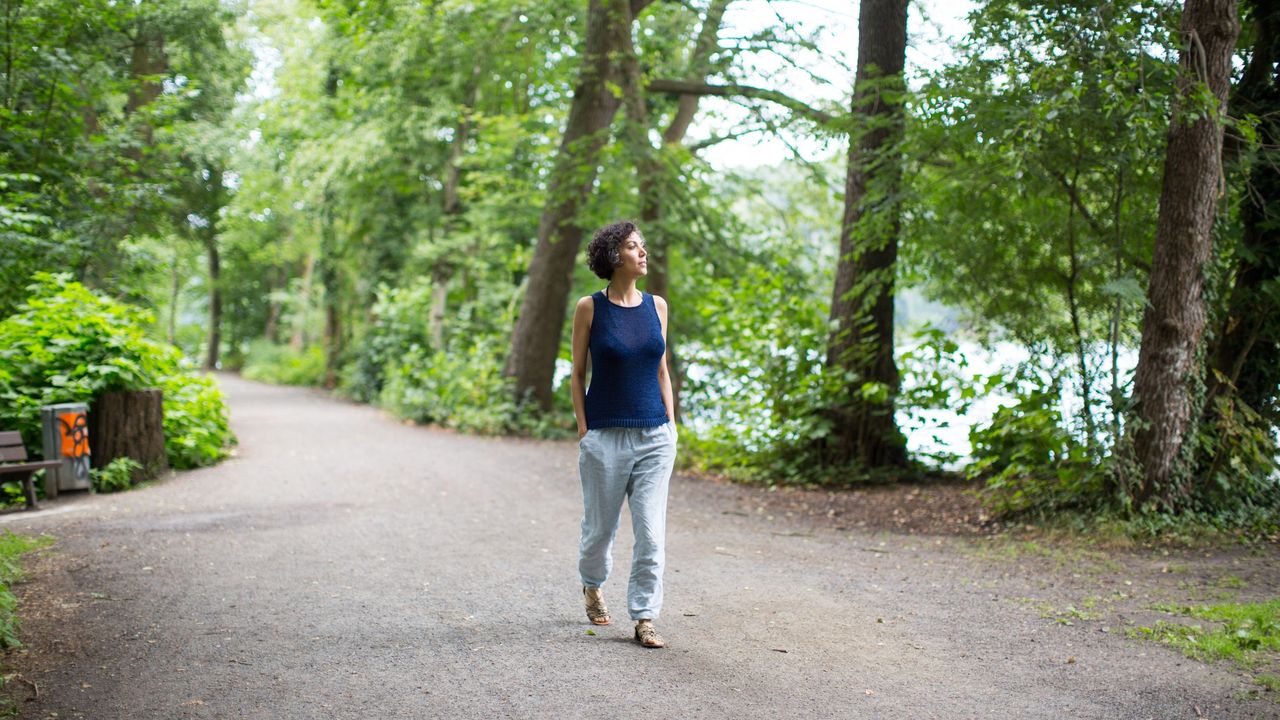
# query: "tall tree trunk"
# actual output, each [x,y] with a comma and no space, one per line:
[214,201]
[861,345]
[699,65]
[442,272]
[330,283]
[535,342]
[279,281]
[1247,352]
[1173,323]
[148,60]
[328,261]
[215,299]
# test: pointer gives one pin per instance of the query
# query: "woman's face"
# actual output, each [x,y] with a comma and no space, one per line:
[634,256]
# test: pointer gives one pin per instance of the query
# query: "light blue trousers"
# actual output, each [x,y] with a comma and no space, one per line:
[633,463]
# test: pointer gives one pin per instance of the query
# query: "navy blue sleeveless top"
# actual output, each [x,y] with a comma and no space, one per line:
[626,349]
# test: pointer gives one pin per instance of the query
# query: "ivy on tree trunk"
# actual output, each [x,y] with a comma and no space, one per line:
[1168,366]
[860,352]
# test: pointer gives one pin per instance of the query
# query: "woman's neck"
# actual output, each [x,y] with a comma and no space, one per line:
[620,290]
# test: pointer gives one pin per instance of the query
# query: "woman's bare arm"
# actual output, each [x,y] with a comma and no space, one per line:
[664,378]
[581,344]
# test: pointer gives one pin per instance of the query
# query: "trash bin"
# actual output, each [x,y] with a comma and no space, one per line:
[66,438]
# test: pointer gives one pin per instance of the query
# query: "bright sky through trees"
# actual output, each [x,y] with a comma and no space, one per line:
[932,25]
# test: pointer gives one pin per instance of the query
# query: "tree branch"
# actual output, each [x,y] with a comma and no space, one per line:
[1078,203]
[715,139]
[685,87]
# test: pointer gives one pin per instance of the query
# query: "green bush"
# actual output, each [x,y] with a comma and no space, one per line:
[463,389]
[284,365]
[461,385]
[116,476]
[1029,460]
[196,429]
[400,327]
[67,344]
[1238,483]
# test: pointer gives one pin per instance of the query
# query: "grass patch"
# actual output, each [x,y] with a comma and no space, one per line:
[1062,555]
[1090,608]
[11,549]
[1242,631]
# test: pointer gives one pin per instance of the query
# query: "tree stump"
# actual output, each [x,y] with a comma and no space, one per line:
[129,423]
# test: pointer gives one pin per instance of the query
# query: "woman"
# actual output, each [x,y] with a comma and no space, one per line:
[626,426]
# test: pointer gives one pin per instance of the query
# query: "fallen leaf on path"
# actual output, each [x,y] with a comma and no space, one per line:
[191,703]
[691,614]
[1071,660]
[591,632]
[870,692]
[781,650]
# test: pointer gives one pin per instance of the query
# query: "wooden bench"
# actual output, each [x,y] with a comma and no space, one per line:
[13,455]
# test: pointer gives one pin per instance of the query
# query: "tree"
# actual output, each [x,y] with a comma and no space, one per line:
[535,341]
[1173,324]
[1032,191]
[860,353]
[655,167]
[1246,352]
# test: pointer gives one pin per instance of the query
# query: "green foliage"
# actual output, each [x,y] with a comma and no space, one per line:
[67,344]
[756,419]
[283,364]
[12,547]
[461,385]
[1240,485]
[936,376]
[1029,460]
[105,106]
[377,200]
[462,388]
[116,476]
[401,328]
[196,427]
[1033,199]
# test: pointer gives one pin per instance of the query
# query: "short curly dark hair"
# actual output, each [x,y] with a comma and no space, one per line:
[602,252]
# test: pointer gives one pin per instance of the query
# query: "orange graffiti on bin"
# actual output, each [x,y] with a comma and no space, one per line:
[74,429]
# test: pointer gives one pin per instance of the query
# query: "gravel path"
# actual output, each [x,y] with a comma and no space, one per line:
[344,565]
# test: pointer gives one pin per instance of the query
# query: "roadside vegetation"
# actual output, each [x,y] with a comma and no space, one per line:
[388,200]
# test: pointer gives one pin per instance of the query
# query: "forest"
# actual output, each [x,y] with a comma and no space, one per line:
[1036,250]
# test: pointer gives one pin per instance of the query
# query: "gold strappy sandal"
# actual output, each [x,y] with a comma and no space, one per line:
[647,636]
[597,613]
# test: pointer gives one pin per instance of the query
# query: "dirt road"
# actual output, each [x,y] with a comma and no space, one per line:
[345,565]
